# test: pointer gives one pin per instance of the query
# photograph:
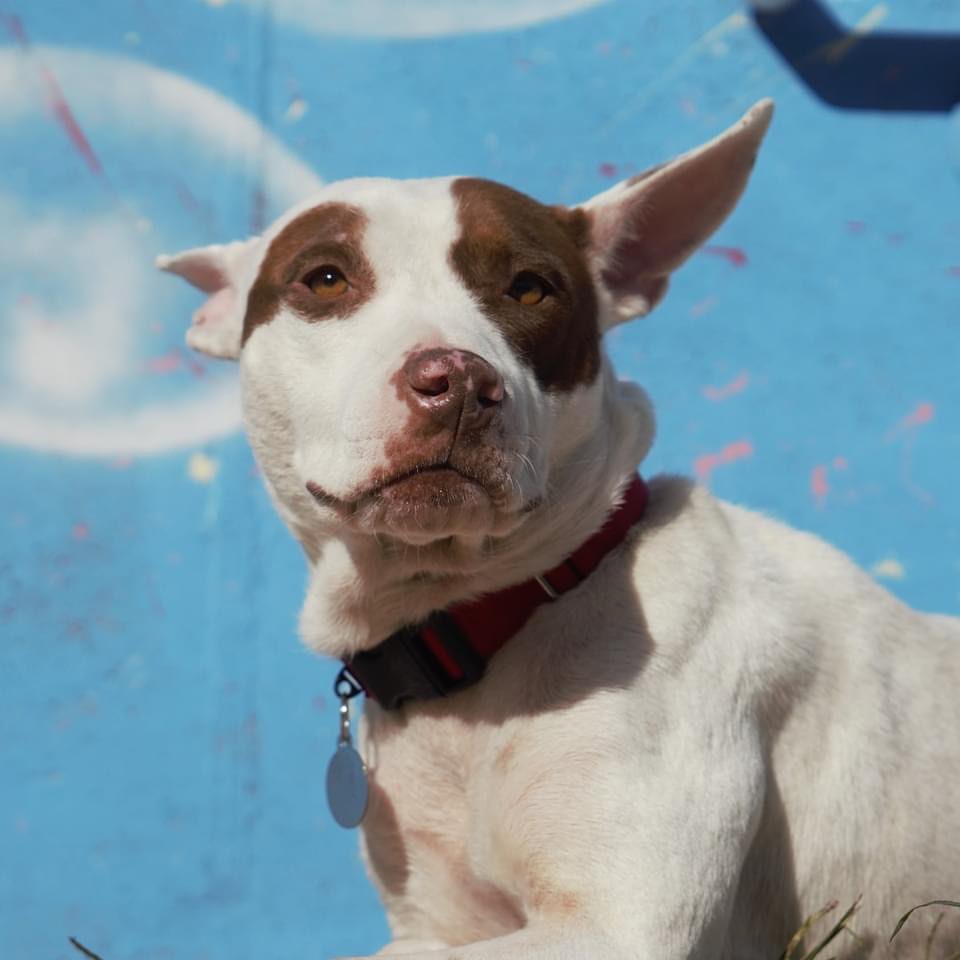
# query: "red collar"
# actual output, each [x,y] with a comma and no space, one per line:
[450,650]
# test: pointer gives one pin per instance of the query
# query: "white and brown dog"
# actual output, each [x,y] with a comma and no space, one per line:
[673,728]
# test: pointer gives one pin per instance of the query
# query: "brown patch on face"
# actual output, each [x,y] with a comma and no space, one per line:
[330,233]
[505,233]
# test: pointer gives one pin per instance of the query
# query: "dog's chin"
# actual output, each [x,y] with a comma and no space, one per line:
[429,506]
[424,506]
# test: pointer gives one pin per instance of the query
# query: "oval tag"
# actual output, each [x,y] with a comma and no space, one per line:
[347,789]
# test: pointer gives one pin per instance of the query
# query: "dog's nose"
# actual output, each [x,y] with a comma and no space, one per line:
[454,386]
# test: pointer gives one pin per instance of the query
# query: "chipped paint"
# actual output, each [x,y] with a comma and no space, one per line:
[201,468]
[835,52]
[889,569]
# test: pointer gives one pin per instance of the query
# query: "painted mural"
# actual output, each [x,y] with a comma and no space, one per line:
[162,734]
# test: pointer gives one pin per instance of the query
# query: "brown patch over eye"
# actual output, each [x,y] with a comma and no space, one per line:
[326,282]
[529,289]
[536,255]
[307,265]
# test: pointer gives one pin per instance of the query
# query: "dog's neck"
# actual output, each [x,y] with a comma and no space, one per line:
[362,588]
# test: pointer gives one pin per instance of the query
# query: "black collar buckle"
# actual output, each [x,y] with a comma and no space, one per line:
[405,667]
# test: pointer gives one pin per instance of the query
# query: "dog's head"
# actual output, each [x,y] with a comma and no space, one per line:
[422,361]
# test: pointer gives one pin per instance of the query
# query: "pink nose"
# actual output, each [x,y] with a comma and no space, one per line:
[453,386]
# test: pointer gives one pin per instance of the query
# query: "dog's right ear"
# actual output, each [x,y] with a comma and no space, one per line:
[644,228]
[218,270]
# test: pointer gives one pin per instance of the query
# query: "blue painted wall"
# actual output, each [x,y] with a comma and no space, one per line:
[162,734]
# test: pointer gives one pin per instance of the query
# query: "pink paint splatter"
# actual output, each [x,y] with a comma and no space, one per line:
[953,271]
[81,531]
[819,486]
[733,255]
[924,413]
[730,389]
[896,239]
[56,101]
[708,462]
[856,226]
[840,463]
[172,360]
[608,170]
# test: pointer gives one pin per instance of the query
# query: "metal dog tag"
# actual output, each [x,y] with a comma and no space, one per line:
[348,792]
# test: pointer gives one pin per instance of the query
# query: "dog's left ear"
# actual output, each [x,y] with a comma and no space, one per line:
[218,270]
[642,229]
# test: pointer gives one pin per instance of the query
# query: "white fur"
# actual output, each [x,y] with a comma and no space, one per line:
[726,726]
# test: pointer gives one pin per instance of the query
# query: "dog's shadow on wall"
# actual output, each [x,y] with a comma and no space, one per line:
[848,68]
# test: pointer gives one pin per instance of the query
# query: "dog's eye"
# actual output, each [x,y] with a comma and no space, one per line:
[327,282]
[529,289]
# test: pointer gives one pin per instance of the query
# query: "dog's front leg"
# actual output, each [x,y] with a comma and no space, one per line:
[406,948]
[566,942]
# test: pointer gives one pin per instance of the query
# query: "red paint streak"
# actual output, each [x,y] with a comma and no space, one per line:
[953,271]
[172,360]
[81,531]
[856,226]
[56,101]
[819,486]
[706,464]
[733,255]
[608,170]
[923,414]
[14,27]
[728,390]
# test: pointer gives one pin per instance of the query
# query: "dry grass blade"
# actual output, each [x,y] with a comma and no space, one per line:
[835,932]
[87,953]
[932,935]
[909,913]
[797,938]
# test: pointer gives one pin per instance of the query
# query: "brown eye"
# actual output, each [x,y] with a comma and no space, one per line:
[327,282]
[529,289]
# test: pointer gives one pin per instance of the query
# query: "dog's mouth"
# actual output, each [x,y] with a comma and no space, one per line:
[425,486]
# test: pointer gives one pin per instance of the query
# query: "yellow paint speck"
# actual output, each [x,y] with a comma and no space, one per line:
[201,468]
[889,569]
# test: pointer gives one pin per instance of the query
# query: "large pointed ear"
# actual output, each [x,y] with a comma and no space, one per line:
[219,271]
[644,228]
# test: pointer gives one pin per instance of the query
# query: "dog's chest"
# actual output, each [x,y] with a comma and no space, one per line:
[426,838]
